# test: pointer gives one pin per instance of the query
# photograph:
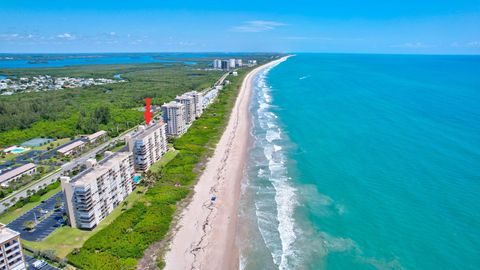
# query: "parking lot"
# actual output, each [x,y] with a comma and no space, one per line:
[48,222]
[29,260]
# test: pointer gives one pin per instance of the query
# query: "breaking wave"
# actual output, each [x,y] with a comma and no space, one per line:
[276,201]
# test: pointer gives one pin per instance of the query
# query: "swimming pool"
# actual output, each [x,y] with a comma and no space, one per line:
[136,179]
[16,150]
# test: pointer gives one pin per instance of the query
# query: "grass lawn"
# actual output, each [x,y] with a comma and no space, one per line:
[157,166]
[63,240]
[53,144]
[7,157]
[11,215]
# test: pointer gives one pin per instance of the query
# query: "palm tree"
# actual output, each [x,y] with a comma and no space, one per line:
[29,225]
[149,179]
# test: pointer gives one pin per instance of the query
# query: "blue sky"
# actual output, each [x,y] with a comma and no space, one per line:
[387,26]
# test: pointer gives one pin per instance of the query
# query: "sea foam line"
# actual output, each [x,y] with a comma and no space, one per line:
[277,175]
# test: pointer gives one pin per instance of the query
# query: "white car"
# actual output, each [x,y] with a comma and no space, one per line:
[38,264]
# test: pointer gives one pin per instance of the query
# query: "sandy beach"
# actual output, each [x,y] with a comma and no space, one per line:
[204,237]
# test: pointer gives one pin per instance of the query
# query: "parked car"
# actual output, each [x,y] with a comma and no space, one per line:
[38,264]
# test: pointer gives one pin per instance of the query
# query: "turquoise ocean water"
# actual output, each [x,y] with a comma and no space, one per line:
[364,162]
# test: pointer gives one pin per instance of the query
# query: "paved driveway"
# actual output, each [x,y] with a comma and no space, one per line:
[46,226]
[30,260]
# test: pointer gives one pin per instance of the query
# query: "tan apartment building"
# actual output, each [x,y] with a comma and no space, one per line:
[173,116]
[72,149]
[197,102]
[148,145]
[11,255]
[17,173]
[95,192]
[189,108]
[97,136]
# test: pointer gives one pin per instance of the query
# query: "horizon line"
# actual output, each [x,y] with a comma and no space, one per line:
[241,52]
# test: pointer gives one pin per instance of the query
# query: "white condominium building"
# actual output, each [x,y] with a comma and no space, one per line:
[232,63]
[189,108]
[217,64]
[94,193]
[173,115]
[11,255]
[197,101]
[148,145]
[238,62]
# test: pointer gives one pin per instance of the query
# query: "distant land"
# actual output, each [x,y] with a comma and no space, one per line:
[63,60]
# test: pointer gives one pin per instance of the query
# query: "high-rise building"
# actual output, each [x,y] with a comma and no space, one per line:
[93,194]
[198,101]
[232,63]
[225,64]
[189,108]
[238,62]
[148,145]
[173,116]
[11,255]
[209,97]
[217,64]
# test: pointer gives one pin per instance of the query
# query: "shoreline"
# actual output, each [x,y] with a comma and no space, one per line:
[205,235]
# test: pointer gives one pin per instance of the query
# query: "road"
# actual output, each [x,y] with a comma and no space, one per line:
[220,81]
[35,186]
[55,176]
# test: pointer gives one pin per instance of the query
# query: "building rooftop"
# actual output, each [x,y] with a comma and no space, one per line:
[185,96]
[95,135]
[6,233]
[17,171]
[173,104]
[66,148]
[145,131]
[102,167]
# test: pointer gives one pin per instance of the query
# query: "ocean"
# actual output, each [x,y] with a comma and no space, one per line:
[364,162]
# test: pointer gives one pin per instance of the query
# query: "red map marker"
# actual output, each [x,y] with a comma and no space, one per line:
[147,114]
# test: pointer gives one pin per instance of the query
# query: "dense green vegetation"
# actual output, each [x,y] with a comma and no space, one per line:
[121,244]
[112,107]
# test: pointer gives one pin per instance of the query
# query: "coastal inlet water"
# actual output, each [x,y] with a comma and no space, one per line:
[51,60]
[364,162]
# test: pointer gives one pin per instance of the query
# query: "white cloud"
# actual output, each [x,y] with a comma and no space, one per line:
[257,26]
[475,44]
[186,43]
[470,44]
[17,37]
[307,38]
[66,36]
[412,45]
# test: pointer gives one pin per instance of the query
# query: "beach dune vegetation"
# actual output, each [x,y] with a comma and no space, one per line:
[122,243]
